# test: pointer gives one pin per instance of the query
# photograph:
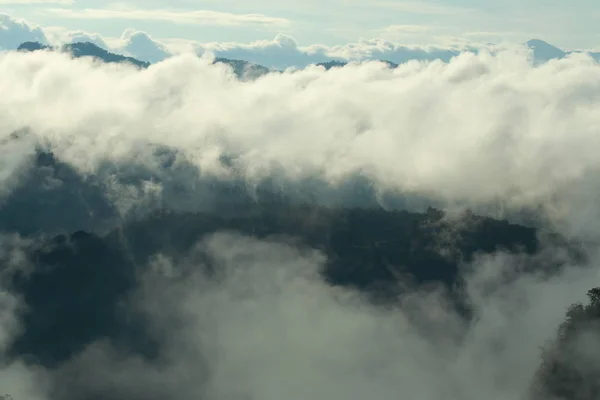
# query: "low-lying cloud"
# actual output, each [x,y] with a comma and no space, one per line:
[481,129]
[245,318]
[265,325]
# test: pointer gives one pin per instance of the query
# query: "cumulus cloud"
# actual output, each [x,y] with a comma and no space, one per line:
[61,36]
[254,319]
[373,49]
[280,53]
[132,43]
[13,32]
[141,46]
[283,52]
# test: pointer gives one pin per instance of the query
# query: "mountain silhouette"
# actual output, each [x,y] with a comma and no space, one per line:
[543,51]
[86,49]
[242,69]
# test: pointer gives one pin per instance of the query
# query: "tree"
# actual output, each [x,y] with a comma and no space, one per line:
[570,366]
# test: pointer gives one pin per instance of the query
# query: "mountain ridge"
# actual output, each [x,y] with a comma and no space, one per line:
[87,49]
[241,68]
[542,52]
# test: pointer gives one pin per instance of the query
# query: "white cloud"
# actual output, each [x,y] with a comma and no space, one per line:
[283,52]
[370,49]
[36,2]
[206,17]
[425,7]
[58,36]
[494,119]
[13,32]
[132,43]
[141,46]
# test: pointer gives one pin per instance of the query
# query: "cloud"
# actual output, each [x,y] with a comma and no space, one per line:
[265,325]
[13,32]
[279,53]
[36,2]
[430,123]
[206,17]
[492,118]
[133,43]
[425,8]
[141,46]
[59,36]
[16,377]
[380,49]
[283,52]
[488,131]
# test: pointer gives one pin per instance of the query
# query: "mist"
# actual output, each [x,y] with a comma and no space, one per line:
[91,146]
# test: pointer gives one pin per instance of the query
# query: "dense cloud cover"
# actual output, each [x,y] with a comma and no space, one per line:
[87,146]
[481,129]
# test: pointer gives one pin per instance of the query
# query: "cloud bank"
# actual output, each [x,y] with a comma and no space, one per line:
[478,130]
[280,53]
[490,132]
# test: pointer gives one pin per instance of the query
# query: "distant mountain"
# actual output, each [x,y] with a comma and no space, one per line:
[33,46]
[242,69]
[245,70]
[86,49]
[543,51]
[332,64]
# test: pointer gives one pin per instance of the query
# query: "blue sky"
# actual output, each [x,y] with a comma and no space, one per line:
[567,24]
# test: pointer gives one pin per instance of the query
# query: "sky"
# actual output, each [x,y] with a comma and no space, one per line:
[571,25]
